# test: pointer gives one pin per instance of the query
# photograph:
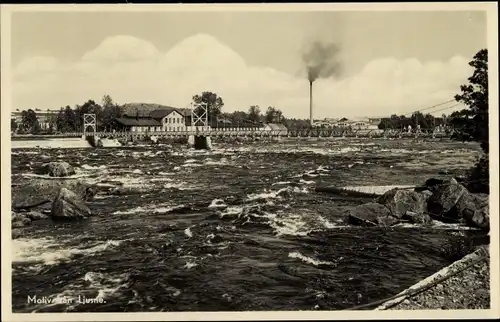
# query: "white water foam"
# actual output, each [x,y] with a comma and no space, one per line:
[89,167]
[46,176]
[217,203]
[153,208]
[309,260]
[188,232]
[48,251]
[271,194]
[379,190]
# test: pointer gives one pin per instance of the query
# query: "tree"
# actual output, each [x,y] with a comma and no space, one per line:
[110,111]
[213,101]
[66,120]
[273,115]
[254,113]
[475,96]
[29,122]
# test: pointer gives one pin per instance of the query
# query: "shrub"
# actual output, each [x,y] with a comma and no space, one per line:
[478,177]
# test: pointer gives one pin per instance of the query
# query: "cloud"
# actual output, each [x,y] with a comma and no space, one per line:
[133,70]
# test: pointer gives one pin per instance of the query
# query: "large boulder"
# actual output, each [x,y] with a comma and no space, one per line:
[400,201]
[42,192]
[68,205]
[474,210]
[57,169]
[370,214]
[445,196]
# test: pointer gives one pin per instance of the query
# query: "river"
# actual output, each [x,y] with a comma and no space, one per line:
[233,229]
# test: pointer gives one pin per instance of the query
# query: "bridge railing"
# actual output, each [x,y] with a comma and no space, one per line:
[245,131]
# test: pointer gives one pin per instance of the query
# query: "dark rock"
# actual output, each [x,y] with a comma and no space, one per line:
[68,205]
[36,215]
[57,169]
[369,214]
[399,201]
[167,228]
[444,198]
[18,220]
[387,221]
[433,182]
[217,239]
[417,218]
[40,192]
[16,233]
[474,209]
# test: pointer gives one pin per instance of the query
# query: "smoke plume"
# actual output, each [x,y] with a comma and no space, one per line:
[321,60]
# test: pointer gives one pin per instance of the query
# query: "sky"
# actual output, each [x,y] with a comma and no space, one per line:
[391,62]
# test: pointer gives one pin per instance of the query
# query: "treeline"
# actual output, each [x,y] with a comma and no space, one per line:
[254,116]
[71,119]
[460,121]
[68,119]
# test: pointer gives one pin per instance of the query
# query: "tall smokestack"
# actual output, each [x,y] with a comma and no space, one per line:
[311,103]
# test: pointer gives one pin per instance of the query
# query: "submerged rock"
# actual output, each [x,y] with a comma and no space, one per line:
[68,205]
[400,201]
[57,169]
[371,214]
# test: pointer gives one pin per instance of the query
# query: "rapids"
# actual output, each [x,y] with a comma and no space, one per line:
[236,228]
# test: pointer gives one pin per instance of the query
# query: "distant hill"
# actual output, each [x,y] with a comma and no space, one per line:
[143,109]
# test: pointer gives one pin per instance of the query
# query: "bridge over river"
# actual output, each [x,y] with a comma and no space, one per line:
[251,133]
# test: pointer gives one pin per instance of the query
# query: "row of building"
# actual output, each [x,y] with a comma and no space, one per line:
[170,119]
[353,123]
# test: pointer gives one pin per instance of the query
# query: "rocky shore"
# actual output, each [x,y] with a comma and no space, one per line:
[468,287]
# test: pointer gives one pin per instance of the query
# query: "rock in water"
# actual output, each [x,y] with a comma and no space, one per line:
[474,209]
[371,214]
[41,192]
[68,205]
[36,215]
[399,201]
[417,218]
[444,198]
[18,220]
[57,169]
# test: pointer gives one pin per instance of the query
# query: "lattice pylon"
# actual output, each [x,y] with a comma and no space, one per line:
[201,115]
[89,120]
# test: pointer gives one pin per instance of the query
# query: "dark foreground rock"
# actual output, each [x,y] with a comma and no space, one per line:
[68,205]
[445,195]
[400,201]
[42,192]
[370,214]
[57,169]
[450,201]
[474,210]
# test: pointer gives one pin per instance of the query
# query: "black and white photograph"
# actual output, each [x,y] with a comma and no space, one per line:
[309,159]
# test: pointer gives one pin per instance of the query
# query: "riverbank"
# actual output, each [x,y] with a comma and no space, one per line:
[465,284]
